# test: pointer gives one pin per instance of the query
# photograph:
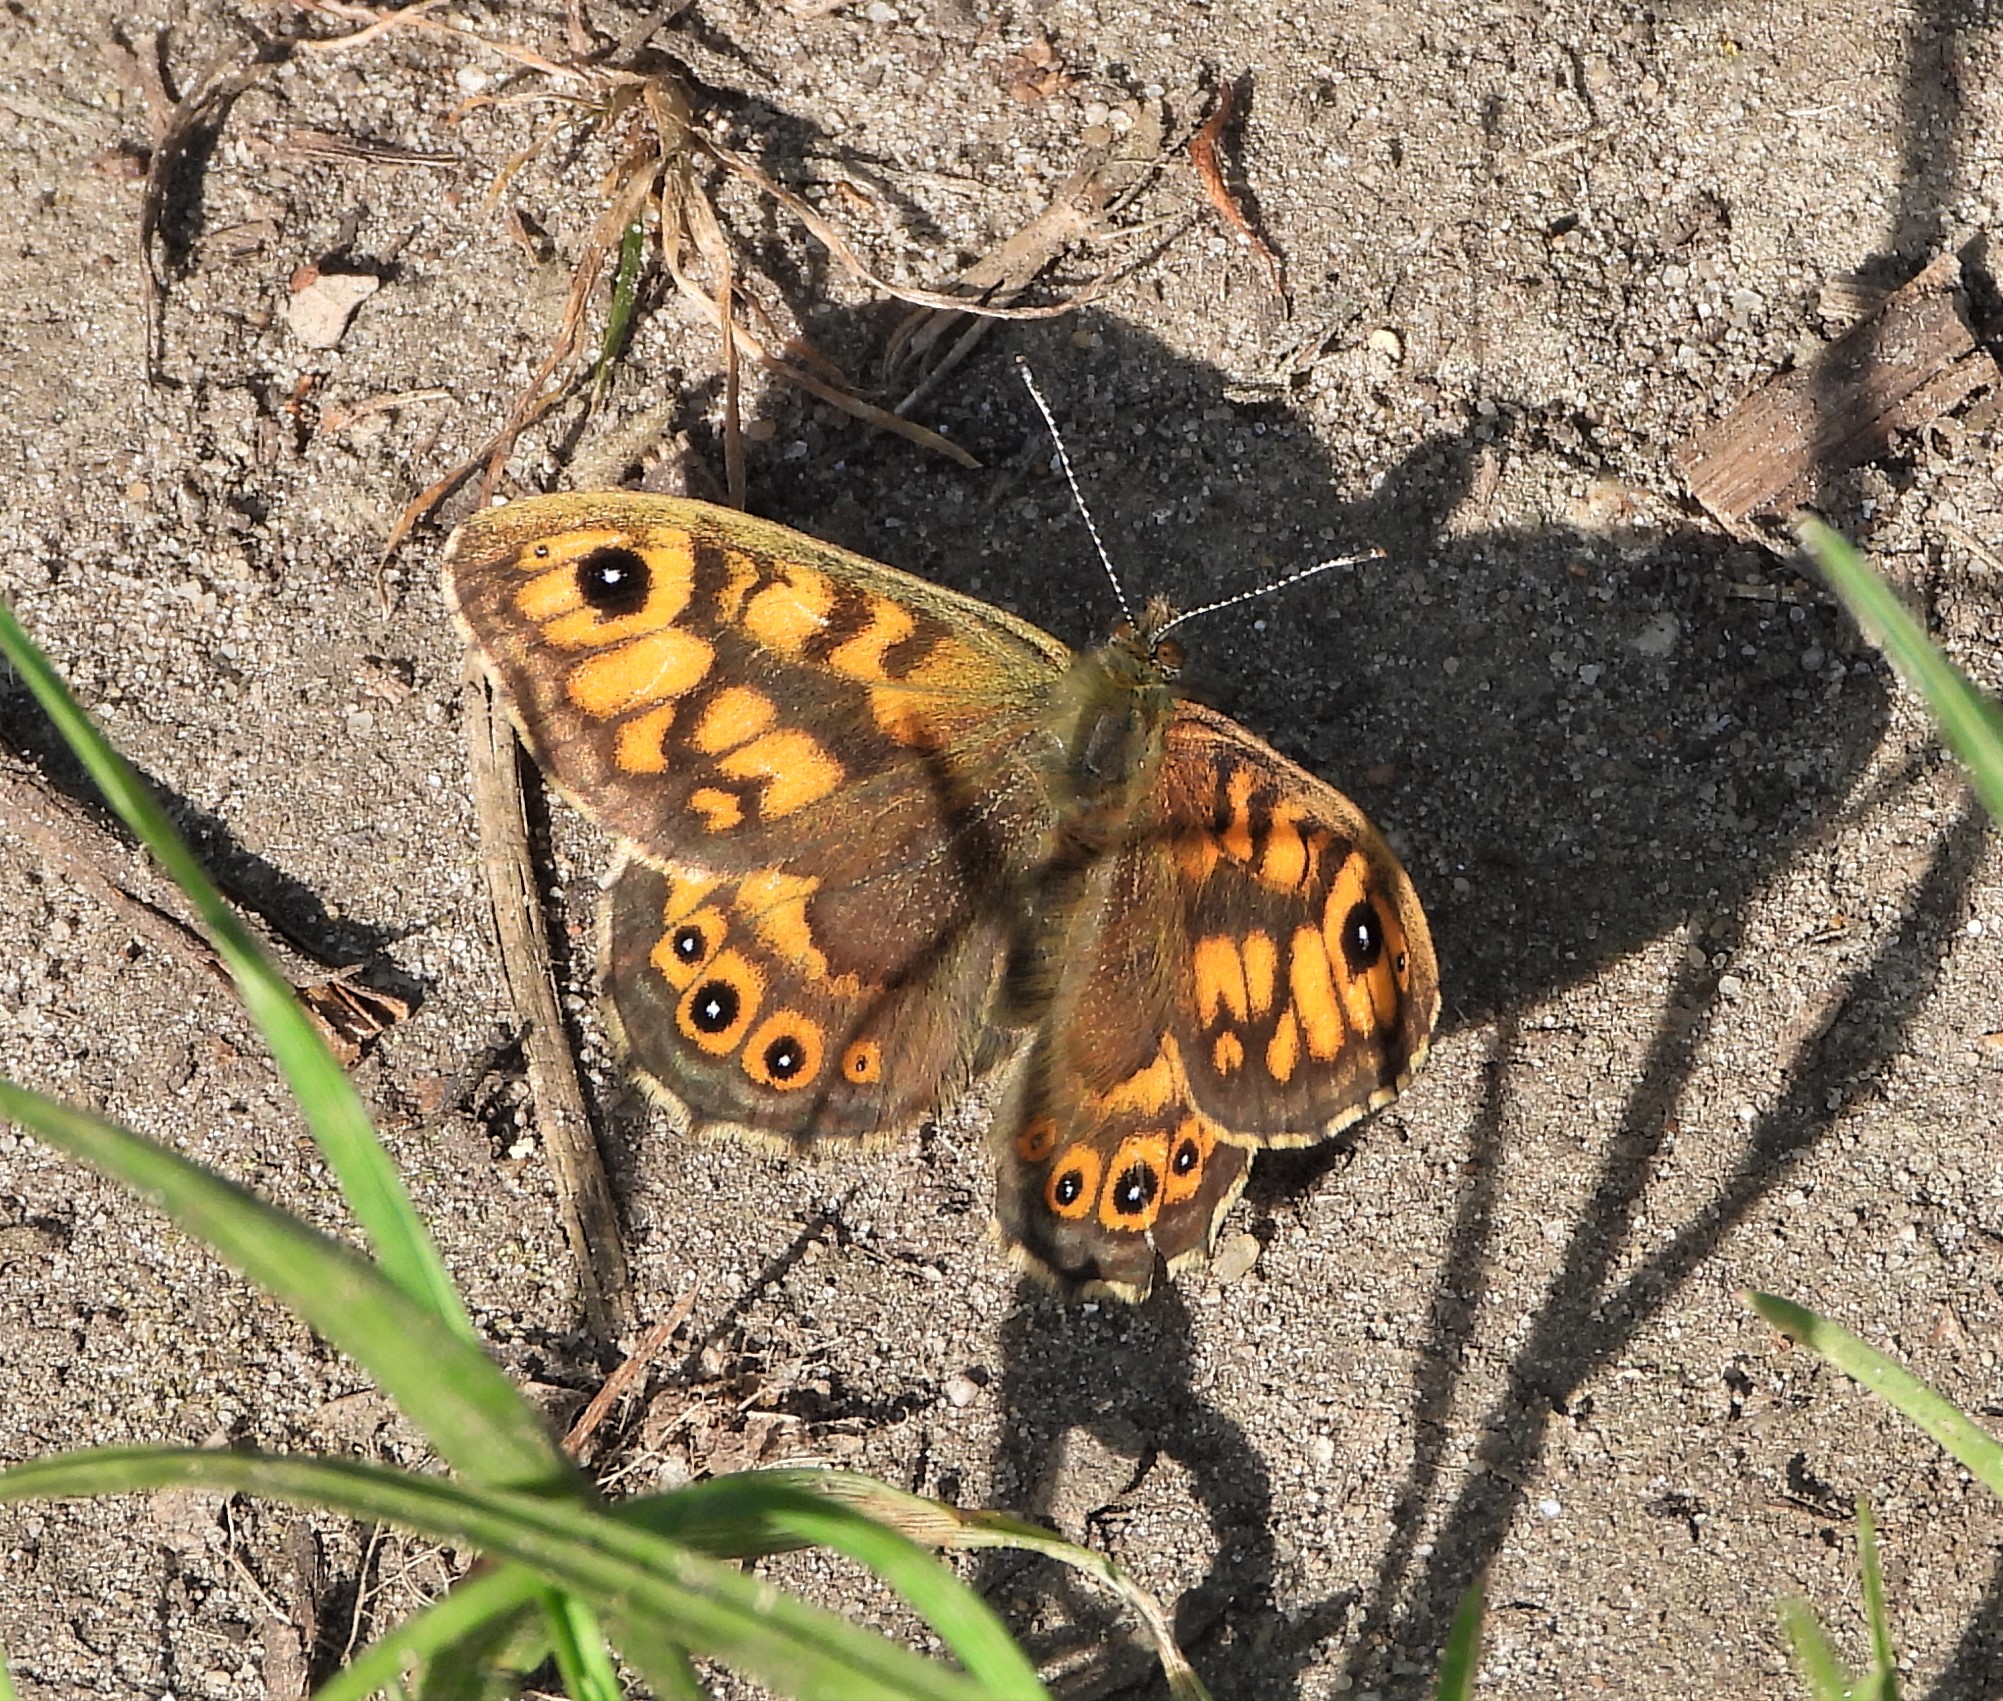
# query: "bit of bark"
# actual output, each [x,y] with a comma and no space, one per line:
[630,1370]
[1909,363]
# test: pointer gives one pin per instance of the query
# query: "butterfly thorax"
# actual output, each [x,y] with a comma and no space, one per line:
[1111,710]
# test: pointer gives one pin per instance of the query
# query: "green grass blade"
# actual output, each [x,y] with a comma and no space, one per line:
[486,1605]
[333,1109]
[7,1690]
[1970,722]
[935,1524]
[1897,1387]
[772,1511]
[1462,1654]
[1821,1670]
[579,1646]
[1884,1661]
[643,1584]
[625,303]
[443,1383]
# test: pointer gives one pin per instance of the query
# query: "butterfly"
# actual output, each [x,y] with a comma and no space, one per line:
[880,842]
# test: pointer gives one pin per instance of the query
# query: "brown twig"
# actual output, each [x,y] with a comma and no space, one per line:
[175,129]
[376,21]
[584,1196]
[836,244]
[631,1368]
[1203,156]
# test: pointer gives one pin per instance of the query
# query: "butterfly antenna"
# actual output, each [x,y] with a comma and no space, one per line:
[1268,590]
[1077,496]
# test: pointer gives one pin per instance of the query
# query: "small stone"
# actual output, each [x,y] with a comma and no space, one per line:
[1813,659]
[1321,1449]
[1730,986]
[1235,1257]
[962,1391]
[320,309]
[1658,637]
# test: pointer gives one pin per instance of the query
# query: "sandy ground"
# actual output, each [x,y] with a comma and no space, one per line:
[1719,929]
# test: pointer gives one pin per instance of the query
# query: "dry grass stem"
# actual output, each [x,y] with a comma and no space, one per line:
[1203,156]
[584,1195]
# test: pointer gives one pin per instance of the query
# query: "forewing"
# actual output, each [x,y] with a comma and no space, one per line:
[720,690]
[1309,987]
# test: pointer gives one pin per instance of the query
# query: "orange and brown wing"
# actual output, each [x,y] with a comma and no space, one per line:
[1308,984]
[1250,968]
[1107,1164]
[824,772]
[717,689]
[764,1004]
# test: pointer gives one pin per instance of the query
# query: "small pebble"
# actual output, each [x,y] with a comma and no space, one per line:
[1658,637]
[962,1391]
[319,311]
[1235,1257]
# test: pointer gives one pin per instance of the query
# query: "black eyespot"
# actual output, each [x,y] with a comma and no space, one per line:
[1362,939]
[784,1058]
[1187,1156]
[688,944]
[1069,1186]
[714,1006]
[614,581]
[1133,1191]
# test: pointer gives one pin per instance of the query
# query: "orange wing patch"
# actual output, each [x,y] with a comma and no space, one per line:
[642,747]
[1283,1050]
[1220,979]
[720,810]
[777,904]
[1147,1090]
[735,715]
[1286,863]
[1261,958]
[785,615]
[660,665]
[796,768]
[1313,983]
[862,657]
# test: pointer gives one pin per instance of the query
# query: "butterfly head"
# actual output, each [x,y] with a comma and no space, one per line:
[1156,657]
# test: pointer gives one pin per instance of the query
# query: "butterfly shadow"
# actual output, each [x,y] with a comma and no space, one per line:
[1583,738]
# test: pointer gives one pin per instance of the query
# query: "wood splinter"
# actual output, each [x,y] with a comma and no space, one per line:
[1911,362]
